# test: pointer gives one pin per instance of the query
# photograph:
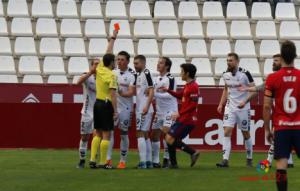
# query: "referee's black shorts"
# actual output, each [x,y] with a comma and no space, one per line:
[103,115]
[285,141]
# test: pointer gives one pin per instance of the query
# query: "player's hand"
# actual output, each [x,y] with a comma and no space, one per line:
[163,89]
[116,119]
[174,116]
[269,137]
[220,109]
[242,104]
[243,88]
[115,34]
[145,110]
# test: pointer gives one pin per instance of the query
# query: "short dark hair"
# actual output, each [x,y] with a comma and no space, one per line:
[168,62]
[140,57]
[108,59]
[233,54]
[124,53]
[189,68]
[288,52]
[276,56]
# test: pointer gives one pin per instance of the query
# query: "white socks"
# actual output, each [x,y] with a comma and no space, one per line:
[290,161]
[82,149]
[226,147]
[156,150]
[142,147]
[124,145]
[249,148]
[271,154]
[149,150]
[166,151]
[111,145]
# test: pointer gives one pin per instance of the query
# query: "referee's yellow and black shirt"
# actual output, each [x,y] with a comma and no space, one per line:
[105,80]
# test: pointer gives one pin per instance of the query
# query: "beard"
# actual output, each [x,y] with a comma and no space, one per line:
[276,68]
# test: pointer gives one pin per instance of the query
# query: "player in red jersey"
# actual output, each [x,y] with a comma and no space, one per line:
[187,118]
[284,87]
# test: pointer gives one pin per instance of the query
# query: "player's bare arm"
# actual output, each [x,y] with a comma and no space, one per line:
[267,117]
[129,93]
[113,94]
[111,43]
[149,100]
[252,89]
[85,76]
[250,97]
[223,99]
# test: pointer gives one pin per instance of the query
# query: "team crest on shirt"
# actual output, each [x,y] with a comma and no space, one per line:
[244,122]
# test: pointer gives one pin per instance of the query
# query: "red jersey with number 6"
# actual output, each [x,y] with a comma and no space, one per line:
[284,87]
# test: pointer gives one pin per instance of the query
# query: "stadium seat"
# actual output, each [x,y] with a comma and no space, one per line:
[1,9]
[57,79]
[240,30]
[236,10]
[188,10]
[297,63]
[289,30]
[203,65]
[220,66]
[78,65]
[42,8]
[32,79]
[258,80]
[268,66]
[172,48]
[297,44]
[196,48]
[212,10]
[139,10]
[261,11]
[50,47]
[53,65]
[115,10]
[268,48]
[21,27]
[216,30]
[17,8]
[164,10]
[75,79]
[206,81]
[95,28]
[285,11]
[25,46]
[66,9]
[7,65]
[8,79]
[192,29]
[144,29]
[250,64]
[245,48]
[168,29]
[148,47]
[70,28]
[46,27]
[179,81]
[151,65]
[5,46]
[91,9]
[124,31]
[220,48]
[176,62]
[97,46]
[266,30]
[3,27]
[29,65]
[124,44]
[74,47]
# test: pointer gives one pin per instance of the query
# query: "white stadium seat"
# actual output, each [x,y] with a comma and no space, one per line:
[1,9]
[216,30]
[53,65]
[179,81]
[42,8]
[70,28]
[75,79]
[50,47]
[245,48]
[17,8]
[95,28]
[139,10]
[7,65]
[168,29]
[5,46]
[151,65]
[74,47]
[196,48]
[21,27]
[203,65]
[268,48]
[212,10]
[164,10]
[148,47]
[297,63]
[266,30]
[176,62]
[97,46]
[250,64]
[3,27]
[285,11]
[124,44]
[268,66]
[240,30]
[29,65]
[8,79]
[236,10]
[289,30]
[115,10]
[78,65]
[172,48]
[188,10]
[91,9]
[46,27]
[192,29]
[25,46]
[297,44]
[206,81]
[220,66]
[220,48]
[66,9]
[57,79]
[32,79]
[143,29]
[124,31]
[261,11]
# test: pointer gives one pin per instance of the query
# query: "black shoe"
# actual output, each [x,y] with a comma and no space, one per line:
[249,163]
[156,165]
[165,163]
[173,166]
[93,165]
[223,164]
[105,166]
[194,158]
[81,164]
[290,165]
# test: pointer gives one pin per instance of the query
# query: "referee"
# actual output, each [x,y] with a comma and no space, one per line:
[105,108]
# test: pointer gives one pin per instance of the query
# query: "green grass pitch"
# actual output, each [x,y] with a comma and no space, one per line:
[54,170]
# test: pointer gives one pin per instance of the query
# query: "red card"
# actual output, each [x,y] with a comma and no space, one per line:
[117,26]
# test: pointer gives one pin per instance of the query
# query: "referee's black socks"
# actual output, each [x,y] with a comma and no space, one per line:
[181,145]
[281,180]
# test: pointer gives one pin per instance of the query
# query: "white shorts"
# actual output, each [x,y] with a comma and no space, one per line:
[86,126]
[125,120]
[241,118]
[163,121]
[143,122]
